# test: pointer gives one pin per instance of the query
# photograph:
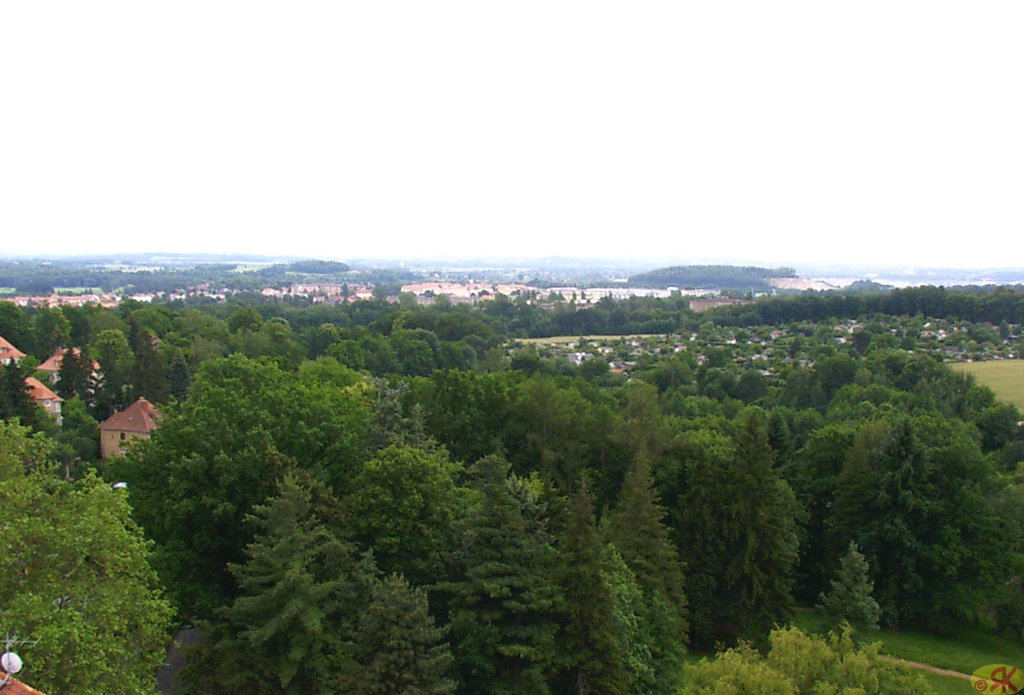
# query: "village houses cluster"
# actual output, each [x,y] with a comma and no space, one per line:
[116,432]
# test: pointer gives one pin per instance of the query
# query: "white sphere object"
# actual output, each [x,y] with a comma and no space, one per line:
[11,662]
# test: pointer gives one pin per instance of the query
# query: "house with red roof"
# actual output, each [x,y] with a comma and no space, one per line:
[52,364]
[134,422]
[44,397]
[9,353]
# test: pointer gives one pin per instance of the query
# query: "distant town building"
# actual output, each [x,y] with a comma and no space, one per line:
[134,422]
[467,291]
[699,305]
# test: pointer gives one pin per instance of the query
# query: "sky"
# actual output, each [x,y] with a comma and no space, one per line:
[792,133]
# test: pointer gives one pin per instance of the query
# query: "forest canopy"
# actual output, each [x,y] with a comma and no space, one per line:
[336,489]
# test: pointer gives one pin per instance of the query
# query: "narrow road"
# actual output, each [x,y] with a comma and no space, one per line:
[185,638]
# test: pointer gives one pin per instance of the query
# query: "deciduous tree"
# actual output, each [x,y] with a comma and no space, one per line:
[76,577]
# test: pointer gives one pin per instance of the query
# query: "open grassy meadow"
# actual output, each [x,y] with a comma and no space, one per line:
[968,649]
[1004,377]
[75,291]
[565,339]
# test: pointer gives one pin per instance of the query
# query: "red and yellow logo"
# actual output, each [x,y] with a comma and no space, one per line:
[997,678]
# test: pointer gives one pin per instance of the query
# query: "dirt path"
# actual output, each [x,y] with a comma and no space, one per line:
[924,667]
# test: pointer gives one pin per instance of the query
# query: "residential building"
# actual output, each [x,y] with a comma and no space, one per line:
[134,422]
[52,364]
[9,353]
[45,398]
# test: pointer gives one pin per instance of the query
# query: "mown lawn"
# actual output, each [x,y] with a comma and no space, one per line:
[944,685]
[965,651]
[564,339]
[1004,377]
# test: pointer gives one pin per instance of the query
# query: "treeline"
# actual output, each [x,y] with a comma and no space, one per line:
[726,277]
[43,278]
[993,305]
[153,350]
[347,493]
[554,530]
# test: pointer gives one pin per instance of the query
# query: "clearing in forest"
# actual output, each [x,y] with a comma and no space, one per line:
[1004,377]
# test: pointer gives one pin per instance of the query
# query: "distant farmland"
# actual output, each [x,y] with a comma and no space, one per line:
[1004,377]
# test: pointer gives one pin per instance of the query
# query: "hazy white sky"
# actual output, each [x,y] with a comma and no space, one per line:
[779,132]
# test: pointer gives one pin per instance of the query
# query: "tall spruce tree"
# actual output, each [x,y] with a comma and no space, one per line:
[75,376]
[632,632]
[502,609]
[738,533]
[116,359]
[590,649]
[636,528]
[15,400]
[178,376]
[850,599]
[397,649]
[289,627]
[148,378]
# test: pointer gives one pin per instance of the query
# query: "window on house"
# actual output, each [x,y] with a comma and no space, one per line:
[123,436]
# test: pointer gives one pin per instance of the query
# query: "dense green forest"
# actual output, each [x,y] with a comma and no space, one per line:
[387,498]
[127,276]
[747,278]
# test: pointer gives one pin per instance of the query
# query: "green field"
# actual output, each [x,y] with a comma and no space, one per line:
[1004,377]
[943,685]
[74,291]
[970,648]
[565,339]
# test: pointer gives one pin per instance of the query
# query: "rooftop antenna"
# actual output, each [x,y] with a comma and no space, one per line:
[10,662]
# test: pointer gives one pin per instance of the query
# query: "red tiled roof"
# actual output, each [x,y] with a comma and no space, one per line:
[140,416]
[53,362]
[39,391]
[16,687]
[8,350]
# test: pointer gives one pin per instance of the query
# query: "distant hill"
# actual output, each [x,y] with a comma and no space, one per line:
[718,277]
[317,267]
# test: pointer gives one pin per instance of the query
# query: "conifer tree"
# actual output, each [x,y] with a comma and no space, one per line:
[738,533]
[397,649]
[589,647]
[850,598]
[67,375]
[75,376]
[116,359]
[148,376]
[15,401]
[637,530]
[178,377]
[288,628]
[502,615]
[632,631]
